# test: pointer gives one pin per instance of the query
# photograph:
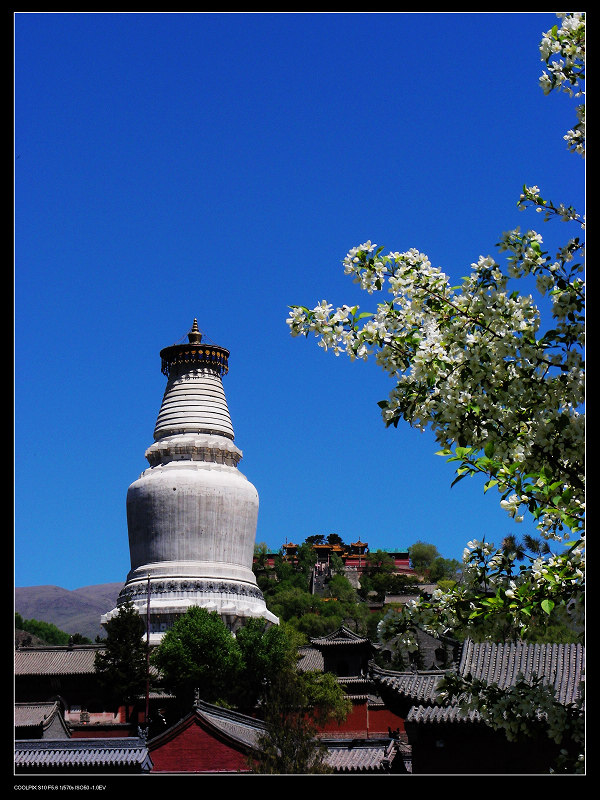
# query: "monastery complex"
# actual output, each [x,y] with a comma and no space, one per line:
[192,518]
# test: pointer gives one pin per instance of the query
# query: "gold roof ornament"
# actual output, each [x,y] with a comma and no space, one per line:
[194,336]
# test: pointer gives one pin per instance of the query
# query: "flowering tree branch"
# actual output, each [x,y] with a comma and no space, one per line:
[503,397]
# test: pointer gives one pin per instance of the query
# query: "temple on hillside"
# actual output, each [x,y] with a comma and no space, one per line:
[354,556]
[192,515]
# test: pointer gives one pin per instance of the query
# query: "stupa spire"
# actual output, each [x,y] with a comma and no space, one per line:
[194,336]
[194,399]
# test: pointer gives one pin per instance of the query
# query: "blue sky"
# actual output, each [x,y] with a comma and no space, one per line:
[220,166]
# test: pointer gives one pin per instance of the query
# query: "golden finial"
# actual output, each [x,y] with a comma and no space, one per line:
[194,336]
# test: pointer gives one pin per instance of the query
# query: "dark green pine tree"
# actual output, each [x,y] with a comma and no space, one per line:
[290,745]
[121,666]
[296,707]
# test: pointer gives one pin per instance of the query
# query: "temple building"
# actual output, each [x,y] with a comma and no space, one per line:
[192,515]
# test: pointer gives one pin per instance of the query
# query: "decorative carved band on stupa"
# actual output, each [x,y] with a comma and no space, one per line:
[195,354]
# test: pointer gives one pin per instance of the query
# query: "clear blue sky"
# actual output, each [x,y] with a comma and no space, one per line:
[220,166]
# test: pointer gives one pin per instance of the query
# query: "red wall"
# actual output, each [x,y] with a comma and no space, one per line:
[104,731]
[195,750]
[381,719]
[365,722]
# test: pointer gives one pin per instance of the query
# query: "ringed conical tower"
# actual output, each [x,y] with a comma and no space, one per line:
[192,515]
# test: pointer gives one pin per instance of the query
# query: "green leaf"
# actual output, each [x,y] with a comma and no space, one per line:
[547,605]
[461,452]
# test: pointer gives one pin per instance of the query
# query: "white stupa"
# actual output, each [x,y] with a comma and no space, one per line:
[192,515]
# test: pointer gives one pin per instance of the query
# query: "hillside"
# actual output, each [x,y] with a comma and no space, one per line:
[73,611]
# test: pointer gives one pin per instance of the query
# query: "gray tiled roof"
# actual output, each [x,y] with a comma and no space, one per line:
[239,727]
[311,655]
[33,714]
[438,714]
[310,659]
[55,660]
[354,680]
[232,726]
[416,686]
[561,665]
[364,756]
[68,661]
[103,754]
[40,720]
[342,636]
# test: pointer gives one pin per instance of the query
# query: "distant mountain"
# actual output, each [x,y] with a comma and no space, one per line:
[73,611]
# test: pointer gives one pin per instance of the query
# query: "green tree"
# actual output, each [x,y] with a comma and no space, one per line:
[297,704]
[356,616]
[48,632]
[444,569]
[307,558]
[422,555]
[378,574]
[404,584]
[288,574]
[340,587]
[121,666]
[313,625]
[266,652]
[260,556]
[336,564]
[292,601]
[198,653]
[379,561]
